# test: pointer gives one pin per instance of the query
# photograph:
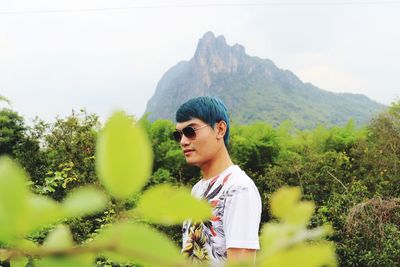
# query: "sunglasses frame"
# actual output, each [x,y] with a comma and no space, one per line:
[177,134]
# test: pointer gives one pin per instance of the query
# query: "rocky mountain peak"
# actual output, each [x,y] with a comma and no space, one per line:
[215,55]
[211,45]
[253,89]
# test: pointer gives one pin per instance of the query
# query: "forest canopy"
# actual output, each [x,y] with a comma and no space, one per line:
[352,174]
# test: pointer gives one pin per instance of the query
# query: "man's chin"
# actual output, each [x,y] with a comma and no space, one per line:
[192,162]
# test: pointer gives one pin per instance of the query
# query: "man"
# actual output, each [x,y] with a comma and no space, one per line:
[202,131]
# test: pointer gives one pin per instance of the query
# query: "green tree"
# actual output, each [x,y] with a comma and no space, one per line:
[4,99]
[385,140]
[12,129]
[123,164]
[254,147]
[68,146]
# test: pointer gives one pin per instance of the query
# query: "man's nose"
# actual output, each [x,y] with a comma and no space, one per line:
[184,141]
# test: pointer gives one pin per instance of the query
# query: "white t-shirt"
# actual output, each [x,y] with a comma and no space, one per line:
[236,217]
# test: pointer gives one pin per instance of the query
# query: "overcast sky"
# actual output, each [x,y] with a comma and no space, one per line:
[56,56]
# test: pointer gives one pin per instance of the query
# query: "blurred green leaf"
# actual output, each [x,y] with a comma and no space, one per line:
[84,201]
[84,260]
[165,204]
[19,262]
[59,238]
[284,200]
[286,205]
[42,211]
[304,255]
[123,156]
[13,199]
[4,254]
[140,244]
[311,234]
[300,214]
[290,243]
[25,244]
[274,236]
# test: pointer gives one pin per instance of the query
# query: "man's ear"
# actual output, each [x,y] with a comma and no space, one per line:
[220,128]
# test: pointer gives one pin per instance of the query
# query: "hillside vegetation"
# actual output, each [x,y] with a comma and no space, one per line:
[254,89]
[352,174]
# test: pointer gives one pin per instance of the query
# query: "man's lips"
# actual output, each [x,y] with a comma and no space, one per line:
[188,151]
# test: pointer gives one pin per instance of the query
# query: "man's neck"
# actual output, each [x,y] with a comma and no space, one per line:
[218,164]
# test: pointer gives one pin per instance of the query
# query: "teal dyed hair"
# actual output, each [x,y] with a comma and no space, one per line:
[206,108]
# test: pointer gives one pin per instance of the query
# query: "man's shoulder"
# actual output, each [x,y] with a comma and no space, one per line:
[198,185]
[238,177]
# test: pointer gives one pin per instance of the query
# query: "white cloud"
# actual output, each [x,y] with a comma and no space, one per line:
[322,70]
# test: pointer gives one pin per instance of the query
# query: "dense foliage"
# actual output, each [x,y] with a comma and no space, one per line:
[352,174]
[123,165]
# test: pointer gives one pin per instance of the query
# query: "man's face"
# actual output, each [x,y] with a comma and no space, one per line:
[203,147]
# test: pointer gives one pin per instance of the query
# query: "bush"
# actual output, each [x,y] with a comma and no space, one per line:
[373,230]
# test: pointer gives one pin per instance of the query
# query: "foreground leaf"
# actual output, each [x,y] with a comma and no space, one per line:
[274,237]
[42,211]
[13,199]
[123,156]
[284,200]
[165,204]
[290,243]
[19,262]
[278,236]
[25,244]
[83,260]
[61,240]
[305,255]
[300,214]
[140,244]
[5,254]
[84,201]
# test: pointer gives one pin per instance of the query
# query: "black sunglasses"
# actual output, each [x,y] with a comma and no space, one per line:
[188,131]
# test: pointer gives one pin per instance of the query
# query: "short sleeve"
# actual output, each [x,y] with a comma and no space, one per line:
[242,217]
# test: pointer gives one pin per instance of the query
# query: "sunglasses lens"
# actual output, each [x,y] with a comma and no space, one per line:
[177,136]
[189,132]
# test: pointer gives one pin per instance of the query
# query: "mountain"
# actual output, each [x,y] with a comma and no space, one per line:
[253,89]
